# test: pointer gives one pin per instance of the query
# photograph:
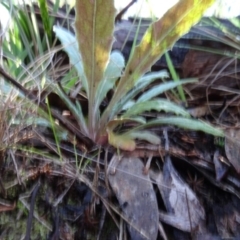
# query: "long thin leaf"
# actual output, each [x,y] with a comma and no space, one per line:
[94,27]
[160,36]
[186,123]
[175,76]
[150,94]
[111,75]
[139,86]
[145,135]
[157,105]
[45,18]
[153,92]
[76,110]
[150,77]
[69,43]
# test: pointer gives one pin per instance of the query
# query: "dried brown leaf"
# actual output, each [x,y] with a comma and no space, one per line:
[136,197]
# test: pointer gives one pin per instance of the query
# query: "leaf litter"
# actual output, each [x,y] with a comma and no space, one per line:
[183,208]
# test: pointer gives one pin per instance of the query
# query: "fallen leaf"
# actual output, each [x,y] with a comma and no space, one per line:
[184,210]
[136,197]
[232,147]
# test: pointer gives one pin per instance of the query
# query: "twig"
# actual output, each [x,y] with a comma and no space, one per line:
[123,11]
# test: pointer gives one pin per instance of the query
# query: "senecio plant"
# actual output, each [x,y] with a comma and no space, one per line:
[101,70]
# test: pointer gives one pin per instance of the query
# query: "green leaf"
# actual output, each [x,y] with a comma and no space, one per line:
[76,110]
[150,77]
[45,18]
[69,43]
[175,77]
[25,29]
[145,135]
[111,75]
[139,86]
[129,104]
[160,36]
[118,121]
[157,105]
[94,27]
[153,92]
[69,80]
[186,123]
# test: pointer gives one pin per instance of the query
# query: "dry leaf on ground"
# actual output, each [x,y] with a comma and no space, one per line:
[232,144]
[184,211]
[136,197]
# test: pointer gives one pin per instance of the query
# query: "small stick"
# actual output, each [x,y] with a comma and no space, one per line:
[123,11]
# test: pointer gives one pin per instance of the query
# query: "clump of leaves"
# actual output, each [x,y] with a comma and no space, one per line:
[28,36]
[28,48]
[101,70]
